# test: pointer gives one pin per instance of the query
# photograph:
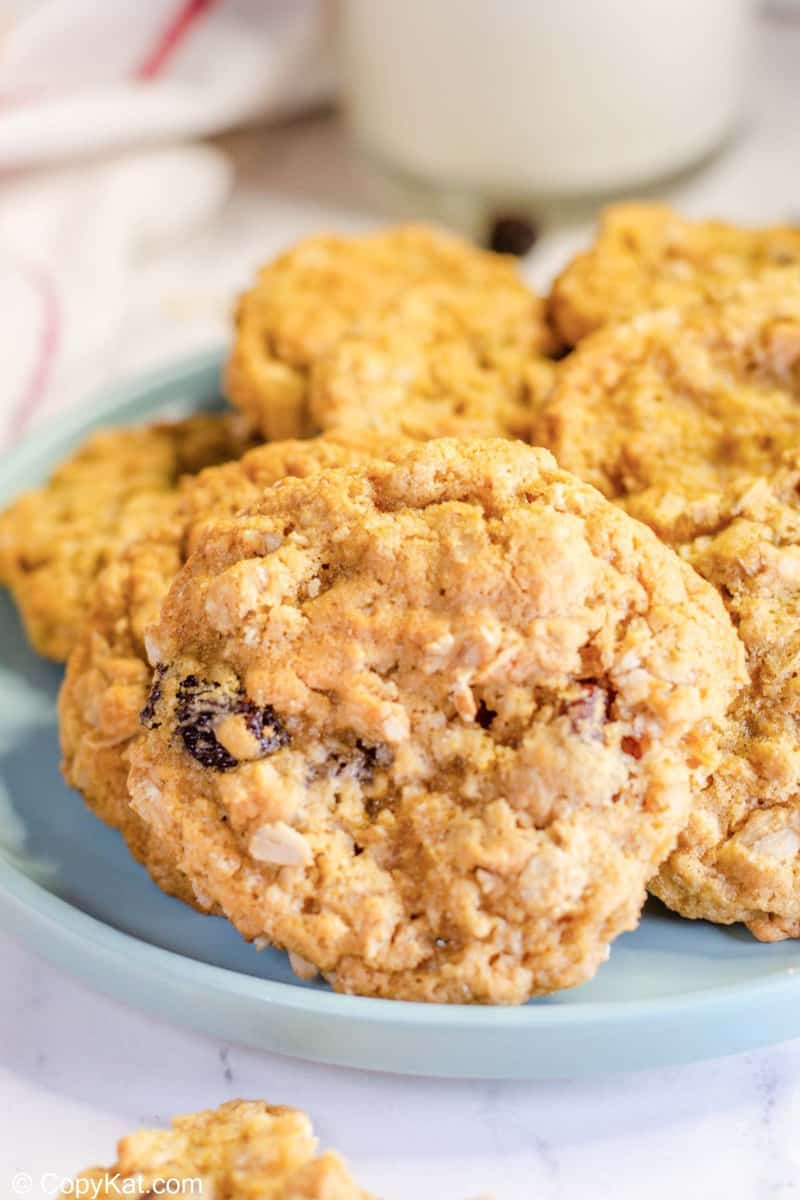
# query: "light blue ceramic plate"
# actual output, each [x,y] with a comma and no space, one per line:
[672,991]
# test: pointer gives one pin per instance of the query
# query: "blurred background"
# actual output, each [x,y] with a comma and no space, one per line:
[154,152]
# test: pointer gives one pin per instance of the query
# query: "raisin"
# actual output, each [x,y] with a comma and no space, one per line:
[360,762]
[485,715]
[265,726]
[587,714]
[199,739]
[335,765]
[148,714]
[200,704]
[631,746]
[509,234]
[379,755]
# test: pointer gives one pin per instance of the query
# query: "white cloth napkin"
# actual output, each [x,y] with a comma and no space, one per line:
[79,77]
[86,92]
[69,242]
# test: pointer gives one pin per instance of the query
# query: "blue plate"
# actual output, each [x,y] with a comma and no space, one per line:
[672,991]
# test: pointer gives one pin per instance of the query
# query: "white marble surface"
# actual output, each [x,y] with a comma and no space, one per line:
[76,1071]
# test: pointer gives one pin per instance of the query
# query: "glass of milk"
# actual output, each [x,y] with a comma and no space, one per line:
[517,98]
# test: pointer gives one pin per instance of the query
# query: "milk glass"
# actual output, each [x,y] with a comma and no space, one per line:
[531,97]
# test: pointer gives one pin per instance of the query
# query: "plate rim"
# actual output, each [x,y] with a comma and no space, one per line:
[48,908]
[43,911]
[104,405]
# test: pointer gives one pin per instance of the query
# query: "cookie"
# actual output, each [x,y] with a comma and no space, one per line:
[431,724]
[647,256]
[243,1150]
[439,361]
[739,857]
[686,399]
[305,301]
[55,540]
[106,685]
[108,678]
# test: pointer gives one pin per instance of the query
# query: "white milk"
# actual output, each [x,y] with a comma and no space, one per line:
[543,96]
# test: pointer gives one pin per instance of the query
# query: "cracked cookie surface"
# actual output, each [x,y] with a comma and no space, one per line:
[647,256]
[430,724]
[739,857]
[55,540]
[687,399]
[305,302]
[243,1150]
[439,361]
[108,678]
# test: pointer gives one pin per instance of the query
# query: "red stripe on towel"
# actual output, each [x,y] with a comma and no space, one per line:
[34,391]
[187,14]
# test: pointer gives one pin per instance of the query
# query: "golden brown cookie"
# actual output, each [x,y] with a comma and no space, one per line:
[440,360]
[243,1150]
[55,540]
[108,678]
[307,300]
[430,724]
[682,398]
[647,256]
[739,857]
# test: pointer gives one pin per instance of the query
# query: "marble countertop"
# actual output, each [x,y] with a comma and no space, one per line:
[77,1071]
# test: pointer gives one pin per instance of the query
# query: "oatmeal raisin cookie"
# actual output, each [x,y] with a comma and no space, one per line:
[431,724]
